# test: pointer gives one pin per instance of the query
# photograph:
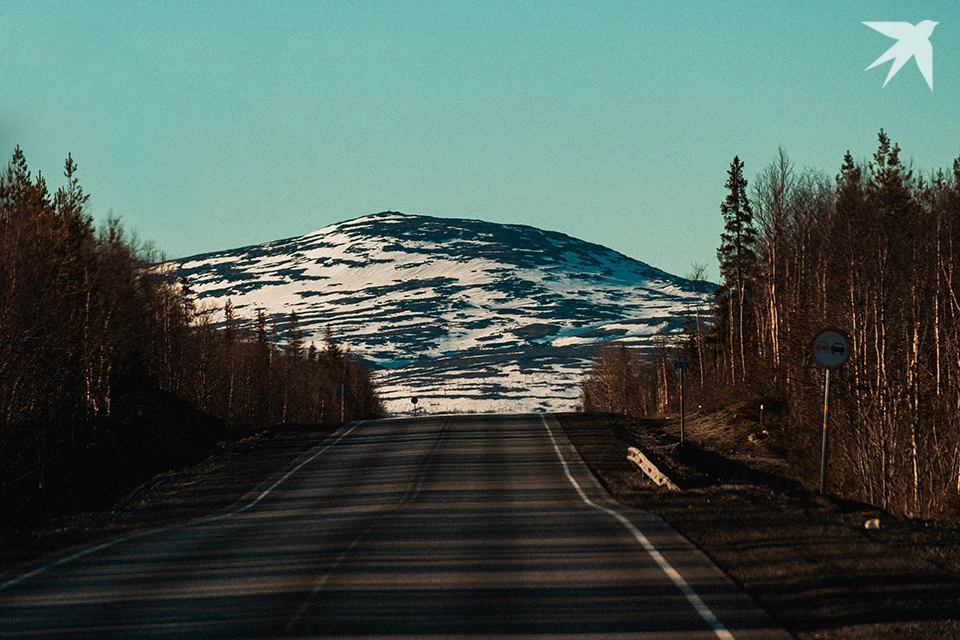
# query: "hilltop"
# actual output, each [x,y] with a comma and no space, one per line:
[467,315]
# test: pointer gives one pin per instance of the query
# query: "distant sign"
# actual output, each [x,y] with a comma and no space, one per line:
[680,364]
[414,400]
[830,348]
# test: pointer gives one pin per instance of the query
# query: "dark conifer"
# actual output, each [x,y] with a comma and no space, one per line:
[294,336]
[738,264]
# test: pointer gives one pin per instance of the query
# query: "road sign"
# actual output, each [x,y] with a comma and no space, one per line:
[830,348]
[343,390]
[681,365]
[414,400]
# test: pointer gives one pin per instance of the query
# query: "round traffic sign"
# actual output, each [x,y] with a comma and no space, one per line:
[830,348]
[414,400]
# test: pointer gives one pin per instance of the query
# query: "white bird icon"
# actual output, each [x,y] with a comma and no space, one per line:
[913,42]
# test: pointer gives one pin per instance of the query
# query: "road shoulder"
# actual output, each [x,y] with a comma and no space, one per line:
[808,561]
[175,496]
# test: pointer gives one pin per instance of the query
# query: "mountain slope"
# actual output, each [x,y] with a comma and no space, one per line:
[466,315]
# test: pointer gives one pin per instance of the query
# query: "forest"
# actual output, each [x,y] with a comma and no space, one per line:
[870,251]
[111,372]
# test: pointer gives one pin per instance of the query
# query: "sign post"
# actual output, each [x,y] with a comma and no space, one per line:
[681,365]
[414,400]
[829,349]
[343,390]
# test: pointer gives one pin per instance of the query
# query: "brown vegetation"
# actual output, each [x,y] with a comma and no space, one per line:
[99,345]
[871,253]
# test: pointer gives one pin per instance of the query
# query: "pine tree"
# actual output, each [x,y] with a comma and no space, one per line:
[229,322]
[738,262]
[294,336]
[187,298]
[331,350]
[71,230]
[261,329]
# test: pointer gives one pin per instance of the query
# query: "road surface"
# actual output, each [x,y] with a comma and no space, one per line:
[440,527]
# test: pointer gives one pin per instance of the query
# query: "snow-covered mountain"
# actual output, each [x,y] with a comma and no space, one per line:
[463,314]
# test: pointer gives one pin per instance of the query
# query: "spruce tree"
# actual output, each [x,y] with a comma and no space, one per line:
[294,336]
[229,322]
[261,329]
[331,350]
[738,262]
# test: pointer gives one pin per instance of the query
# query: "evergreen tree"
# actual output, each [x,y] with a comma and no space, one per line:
[73,256]
[737,252]
[738,262]
[261,329]
[332,353]
[229,322]
[187,298]
[294,336]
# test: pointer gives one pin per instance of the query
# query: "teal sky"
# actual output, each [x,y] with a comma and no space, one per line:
[211,125]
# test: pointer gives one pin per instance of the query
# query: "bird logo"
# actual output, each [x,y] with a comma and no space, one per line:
[912,42]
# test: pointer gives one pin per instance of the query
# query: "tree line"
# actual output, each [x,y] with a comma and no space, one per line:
[97,335]
[870,251]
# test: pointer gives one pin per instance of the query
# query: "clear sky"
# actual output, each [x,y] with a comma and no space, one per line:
[211,125]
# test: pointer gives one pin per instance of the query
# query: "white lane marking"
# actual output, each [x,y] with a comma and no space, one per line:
[150,532]
[81,554]
[407,498]
[708,616]
[291,472]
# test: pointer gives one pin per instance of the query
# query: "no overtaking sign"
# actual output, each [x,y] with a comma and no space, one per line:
[830,348]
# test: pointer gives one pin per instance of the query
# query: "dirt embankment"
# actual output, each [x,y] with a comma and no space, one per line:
[807,559]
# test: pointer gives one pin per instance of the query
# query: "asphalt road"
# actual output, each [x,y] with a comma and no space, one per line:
[440,527]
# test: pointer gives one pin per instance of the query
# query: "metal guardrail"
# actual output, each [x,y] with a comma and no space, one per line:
[635,456]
